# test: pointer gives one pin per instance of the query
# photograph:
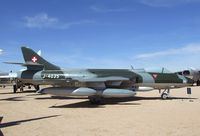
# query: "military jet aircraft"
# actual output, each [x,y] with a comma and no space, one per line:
[192,73]
[10,79]
[6,79]
[95,83]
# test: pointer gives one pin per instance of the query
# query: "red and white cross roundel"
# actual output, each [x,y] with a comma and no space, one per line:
[34,59]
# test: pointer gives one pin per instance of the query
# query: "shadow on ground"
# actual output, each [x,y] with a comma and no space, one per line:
[115,101]
[18,122]
[18,92]
[14,123]
[13,99]
[59,97]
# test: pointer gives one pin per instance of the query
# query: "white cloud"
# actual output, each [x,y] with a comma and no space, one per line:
[106,10]
[1,51]
[40,20]
[166,3]
[43,20]
[189,49]
[69,24]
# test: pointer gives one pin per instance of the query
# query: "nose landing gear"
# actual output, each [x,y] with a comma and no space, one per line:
[165,94]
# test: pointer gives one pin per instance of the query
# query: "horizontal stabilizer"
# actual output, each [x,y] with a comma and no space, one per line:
[24,64]
[33,66]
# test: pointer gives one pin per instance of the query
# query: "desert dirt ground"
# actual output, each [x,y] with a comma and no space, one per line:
[30,114]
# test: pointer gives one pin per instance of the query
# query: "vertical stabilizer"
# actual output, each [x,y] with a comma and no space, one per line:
[35,60]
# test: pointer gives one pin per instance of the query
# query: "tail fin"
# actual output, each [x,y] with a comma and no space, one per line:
[33,60]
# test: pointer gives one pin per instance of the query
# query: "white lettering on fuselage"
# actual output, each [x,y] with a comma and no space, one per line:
[51,76]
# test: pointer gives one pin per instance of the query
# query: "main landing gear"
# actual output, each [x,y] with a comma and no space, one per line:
[21,87]
[37,87]
[198,82]
[95,99]
[165,94]
[16,87]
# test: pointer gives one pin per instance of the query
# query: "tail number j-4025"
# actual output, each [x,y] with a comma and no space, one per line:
[50,76]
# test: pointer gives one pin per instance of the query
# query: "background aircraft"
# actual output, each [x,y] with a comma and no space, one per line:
[6,79]
[192,73]
[95,83]
[10,79]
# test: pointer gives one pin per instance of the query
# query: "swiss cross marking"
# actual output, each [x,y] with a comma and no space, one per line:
[34,59]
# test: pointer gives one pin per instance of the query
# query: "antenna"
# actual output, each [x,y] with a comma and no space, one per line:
[163,70]
[132,67]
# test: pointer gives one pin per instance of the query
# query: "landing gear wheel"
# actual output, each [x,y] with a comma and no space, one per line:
[14,88]
[29,87]
[37,87]
[21,89]
[164,96]
[198,83]
[95,100]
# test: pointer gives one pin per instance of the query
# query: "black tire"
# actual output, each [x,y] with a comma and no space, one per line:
[29,87]
[95,100]
[37,87]
[14,88]
[198,83]
[21,89]
[164,96]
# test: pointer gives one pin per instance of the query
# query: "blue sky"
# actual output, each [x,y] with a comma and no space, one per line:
[102,33]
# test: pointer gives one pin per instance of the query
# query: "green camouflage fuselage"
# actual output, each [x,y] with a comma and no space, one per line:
[120,78]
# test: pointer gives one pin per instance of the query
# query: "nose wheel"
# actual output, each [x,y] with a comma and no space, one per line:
[165,94]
